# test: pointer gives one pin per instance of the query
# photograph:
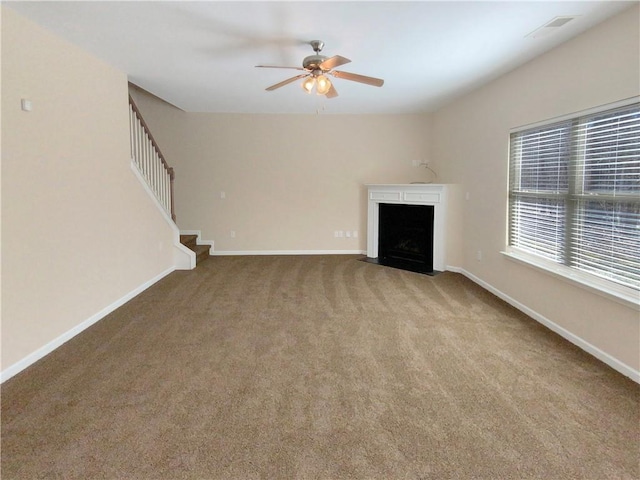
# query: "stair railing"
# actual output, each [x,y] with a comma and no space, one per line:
[149,159]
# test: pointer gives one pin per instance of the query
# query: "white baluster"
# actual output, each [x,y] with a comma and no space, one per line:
[163,175]
[154,168]
[167,192]
[141,150]
[134,142]
[149,161]
[156,171]
[131,130]
[138,145]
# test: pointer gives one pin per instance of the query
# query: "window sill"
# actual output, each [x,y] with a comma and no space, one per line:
[619,293]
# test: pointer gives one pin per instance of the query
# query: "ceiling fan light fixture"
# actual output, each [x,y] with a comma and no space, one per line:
[308,83]
[323,85]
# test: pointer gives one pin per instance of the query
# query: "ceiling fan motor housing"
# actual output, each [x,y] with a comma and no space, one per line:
[312,62]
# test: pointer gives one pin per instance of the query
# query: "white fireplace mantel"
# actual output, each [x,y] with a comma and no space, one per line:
[409,194]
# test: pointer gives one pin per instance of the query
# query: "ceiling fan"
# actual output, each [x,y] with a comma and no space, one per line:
[317,67]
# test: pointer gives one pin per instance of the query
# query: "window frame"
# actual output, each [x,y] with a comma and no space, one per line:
[626,295]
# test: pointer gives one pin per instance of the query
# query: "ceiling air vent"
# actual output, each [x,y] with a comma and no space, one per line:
[551,26]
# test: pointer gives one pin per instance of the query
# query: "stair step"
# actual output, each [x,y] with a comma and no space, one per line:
[201,251]
[188,241]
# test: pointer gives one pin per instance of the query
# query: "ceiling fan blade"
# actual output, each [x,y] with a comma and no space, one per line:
[285,82]
[375,82]
[273,66]
[332,93]
[333,62]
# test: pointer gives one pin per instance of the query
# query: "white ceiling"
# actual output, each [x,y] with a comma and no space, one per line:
[200,56]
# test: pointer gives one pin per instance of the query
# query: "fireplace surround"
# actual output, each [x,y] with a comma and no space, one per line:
[434,195]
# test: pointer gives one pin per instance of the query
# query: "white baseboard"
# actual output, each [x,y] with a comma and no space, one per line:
[289,252]
[613,362]
[52,345]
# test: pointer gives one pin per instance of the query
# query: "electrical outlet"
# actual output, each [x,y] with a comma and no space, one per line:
[336,234]
[233,234]
[415,163]
[347,234]
[223,195]
[340,233]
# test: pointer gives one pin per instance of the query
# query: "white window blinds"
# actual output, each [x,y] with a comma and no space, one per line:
[574,193]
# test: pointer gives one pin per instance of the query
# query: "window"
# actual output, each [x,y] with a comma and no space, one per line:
[574,194]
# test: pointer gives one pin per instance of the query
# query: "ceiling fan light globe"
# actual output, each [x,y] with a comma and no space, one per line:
[308,83]
[323,85]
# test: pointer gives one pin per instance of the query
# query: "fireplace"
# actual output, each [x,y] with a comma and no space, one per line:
[405,236]
[393,198]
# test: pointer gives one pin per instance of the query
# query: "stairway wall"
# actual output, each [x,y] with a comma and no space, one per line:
[79,234]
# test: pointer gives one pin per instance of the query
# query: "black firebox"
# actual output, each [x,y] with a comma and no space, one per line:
[406,237]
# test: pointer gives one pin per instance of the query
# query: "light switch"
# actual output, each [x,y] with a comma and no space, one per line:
[25,104]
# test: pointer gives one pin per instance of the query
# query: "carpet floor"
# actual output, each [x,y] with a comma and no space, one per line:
[318,367]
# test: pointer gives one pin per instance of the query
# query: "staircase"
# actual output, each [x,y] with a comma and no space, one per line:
[158,176]
[201,251]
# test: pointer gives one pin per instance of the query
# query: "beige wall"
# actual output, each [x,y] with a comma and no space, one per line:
[290,180]
[78,231]
[470,146]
